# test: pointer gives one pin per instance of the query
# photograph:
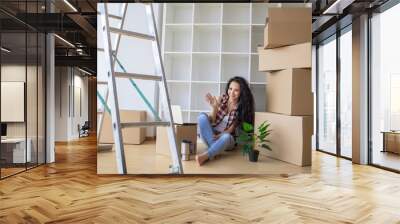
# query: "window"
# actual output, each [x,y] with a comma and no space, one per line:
[346,92]
[385,89]
[327,96]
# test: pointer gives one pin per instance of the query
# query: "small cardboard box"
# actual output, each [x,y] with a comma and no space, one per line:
[185,131]
[290,137]
[287,26]
[130,135]
[289,92]
[294,56]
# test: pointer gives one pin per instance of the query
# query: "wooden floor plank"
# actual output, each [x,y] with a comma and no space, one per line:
[70,191]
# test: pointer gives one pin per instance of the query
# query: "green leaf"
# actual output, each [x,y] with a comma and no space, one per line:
[247,127]
[245,138]
[265,146]
[263,129]
[262,125]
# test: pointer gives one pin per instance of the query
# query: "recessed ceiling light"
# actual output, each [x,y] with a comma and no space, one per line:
[84,71]
[65,41]
[338,6]
[70,5]
[5,50]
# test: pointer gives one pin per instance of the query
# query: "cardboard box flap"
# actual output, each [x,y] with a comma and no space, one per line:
[177,114]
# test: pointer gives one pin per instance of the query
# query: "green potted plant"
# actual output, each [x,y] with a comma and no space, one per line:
[248,139]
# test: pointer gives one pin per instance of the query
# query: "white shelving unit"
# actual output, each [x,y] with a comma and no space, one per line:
[205,44]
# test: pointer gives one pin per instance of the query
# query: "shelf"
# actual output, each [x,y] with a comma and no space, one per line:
[207,39]
[258,83]
[176,53]
[207,111]
[178,93]
[259,13]
[178,39]
[236,13]
[234,53]
[206,67]
[199,91]
[255,75]
[179,13]
[235,39]
[180,24]
[236,24]
[206,44]
[234,65]
[259,96]
[177,67]
[178,81]
[206,53]
[257,38]
[207,13]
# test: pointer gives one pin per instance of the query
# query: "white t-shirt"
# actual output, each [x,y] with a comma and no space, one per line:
[222,125]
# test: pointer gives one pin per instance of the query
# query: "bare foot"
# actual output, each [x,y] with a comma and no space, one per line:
[201,158]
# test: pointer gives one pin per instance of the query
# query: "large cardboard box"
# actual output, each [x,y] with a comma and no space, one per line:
[289,92]
[294,56]
[287,26]
[185,131]
[130,135]
[290,137]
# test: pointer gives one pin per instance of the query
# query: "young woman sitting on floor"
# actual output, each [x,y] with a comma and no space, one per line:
[228,112]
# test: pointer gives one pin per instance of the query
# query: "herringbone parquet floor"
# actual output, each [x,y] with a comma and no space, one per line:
[69,191]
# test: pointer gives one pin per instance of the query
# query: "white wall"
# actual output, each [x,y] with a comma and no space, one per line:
[136,56]
[69,82]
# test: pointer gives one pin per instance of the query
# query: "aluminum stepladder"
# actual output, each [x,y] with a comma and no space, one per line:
[159,76]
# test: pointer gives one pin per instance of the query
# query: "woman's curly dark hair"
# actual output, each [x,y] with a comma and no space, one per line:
[246,100]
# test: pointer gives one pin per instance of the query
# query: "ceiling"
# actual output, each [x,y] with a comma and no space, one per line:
[76,23]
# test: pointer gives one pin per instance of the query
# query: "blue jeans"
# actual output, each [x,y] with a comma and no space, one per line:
[224,142]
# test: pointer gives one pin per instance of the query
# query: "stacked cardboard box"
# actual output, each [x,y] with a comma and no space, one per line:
[286,59]
[130,135]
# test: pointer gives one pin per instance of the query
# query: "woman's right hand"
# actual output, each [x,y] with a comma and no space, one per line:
[212,100]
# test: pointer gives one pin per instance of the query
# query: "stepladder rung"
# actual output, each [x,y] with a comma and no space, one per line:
[145,124]
[102,50]
[137,76]
[115,16]
[102,82]
[132,34]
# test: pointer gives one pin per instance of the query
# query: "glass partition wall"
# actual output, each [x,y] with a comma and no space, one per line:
[334,94]
[22,78]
